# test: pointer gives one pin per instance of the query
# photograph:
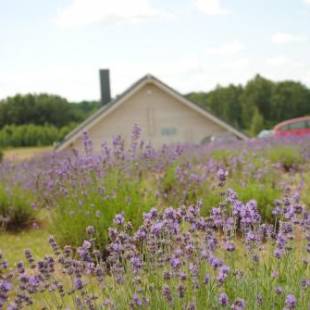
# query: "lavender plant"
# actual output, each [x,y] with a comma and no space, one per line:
[181,227]
[175,259]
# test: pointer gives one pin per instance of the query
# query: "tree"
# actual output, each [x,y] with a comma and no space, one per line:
[224,102]
[289,99]
[256,95]
[257,123]
[43,109]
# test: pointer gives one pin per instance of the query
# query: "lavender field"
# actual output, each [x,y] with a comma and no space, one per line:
[184,227]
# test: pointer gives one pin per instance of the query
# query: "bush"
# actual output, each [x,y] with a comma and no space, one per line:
[97,204]
[16,209]
[32,135]
[224,155]
[265,195]
[288,156]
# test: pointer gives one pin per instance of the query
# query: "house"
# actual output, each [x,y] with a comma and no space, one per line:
[163,114]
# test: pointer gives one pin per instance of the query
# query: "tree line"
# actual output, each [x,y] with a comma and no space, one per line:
[40,119]
[260,104]
[43,109]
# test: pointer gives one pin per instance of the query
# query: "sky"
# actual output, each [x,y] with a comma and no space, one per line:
[58,46]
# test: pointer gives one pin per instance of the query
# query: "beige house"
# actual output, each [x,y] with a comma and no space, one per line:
[164,115]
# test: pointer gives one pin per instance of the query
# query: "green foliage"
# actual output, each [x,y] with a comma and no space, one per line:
[289,99]
[32,135]
[223,155]
[16,209]
[257,123]
[43,109]
[287,156]
[256,97]
[97,204]
[265,194]
[13,244]
[262,100]
[175,191]
[37,120]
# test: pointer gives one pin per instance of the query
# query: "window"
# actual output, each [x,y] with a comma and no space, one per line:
[284,127]
[168,131]
[298,125]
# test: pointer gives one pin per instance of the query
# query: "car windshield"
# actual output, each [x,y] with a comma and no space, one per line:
[302,124]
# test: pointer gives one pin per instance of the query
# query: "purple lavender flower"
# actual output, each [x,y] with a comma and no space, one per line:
[119,219]
[223,273]
[78,283]
[305,283]
[86,245]
[151,215]
[12,306]
[206,279]
[5,286]
[223,299]
[290,301]
[239,304]
[278,290]
[90,230]
[222,174]
[175,262]
[20,267]
[215,262]
[136,263]
[156,228]
[141,234]
[278,253]
[136,300]
[167,293]
[229,246]
[181,290]
[191,306]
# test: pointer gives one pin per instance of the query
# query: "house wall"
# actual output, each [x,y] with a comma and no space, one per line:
[162,117]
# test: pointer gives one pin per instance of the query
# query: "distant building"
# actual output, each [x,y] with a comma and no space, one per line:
[164,115]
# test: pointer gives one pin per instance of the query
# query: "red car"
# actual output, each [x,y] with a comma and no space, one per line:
[297,127]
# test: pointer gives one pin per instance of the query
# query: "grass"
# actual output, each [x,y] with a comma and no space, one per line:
[22,153]
[13,245]
[122,194]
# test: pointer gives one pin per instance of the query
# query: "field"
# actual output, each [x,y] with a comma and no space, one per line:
[23,153]
[183,227]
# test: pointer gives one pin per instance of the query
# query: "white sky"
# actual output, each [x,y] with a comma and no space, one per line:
[58,46]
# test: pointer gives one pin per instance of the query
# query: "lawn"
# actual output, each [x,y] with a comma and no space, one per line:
[23,153]
[14,244]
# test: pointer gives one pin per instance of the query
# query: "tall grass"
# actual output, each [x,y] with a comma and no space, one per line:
[17,210]
[97,203]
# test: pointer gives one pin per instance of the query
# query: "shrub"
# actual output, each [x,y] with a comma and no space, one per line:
[32,135]
[265,195]
[96,204]
[16,208]
[288,156]
[223,155]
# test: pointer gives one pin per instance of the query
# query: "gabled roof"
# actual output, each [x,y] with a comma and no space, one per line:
[116,102]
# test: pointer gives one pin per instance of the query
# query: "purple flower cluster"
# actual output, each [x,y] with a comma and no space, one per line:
[177,257]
